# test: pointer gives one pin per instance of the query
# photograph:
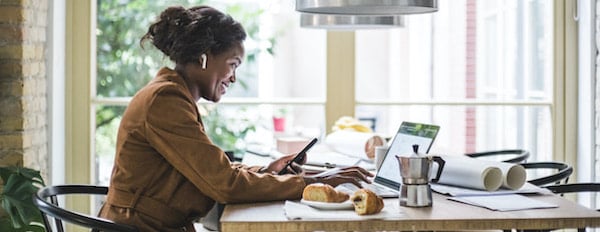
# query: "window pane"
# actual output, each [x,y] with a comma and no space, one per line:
[482,52]
[283,63]
[483,128]
[107,124]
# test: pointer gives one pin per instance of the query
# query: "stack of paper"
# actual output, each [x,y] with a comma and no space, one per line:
[500,200]
[505,202]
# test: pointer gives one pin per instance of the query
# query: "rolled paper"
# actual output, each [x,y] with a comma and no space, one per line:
[514,175]
[357,144]
[481,174]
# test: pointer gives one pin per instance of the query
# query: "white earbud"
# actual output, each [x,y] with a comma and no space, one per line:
[203,57]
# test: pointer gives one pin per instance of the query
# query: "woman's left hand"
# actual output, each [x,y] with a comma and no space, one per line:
[295,168]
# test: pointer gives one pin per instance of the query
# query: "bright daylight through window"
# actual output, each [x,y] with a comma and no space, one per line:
[479,69]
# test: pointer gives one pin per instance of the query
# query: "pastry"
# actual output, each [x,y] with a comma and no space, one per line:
[323,193]
[366,202]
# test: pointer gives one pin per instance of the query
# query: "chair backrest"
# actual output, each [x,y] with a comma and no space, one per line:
[509,156]
[561,173]
[46,199]
[574,188]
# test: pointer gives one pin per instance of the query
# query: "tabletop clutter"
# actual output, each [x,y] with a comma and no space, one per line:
[479,182]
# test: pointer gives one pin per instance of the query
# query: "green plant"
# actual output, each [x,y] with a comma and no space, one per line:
[20,183]
[281,112]
[227,128]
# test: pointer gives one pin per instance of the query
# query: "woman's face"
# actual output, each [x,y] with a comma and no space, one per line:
[219,73]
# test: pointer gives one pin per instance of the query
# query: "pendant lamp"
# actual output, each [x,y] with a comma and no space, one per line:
[350,22]
[366,7]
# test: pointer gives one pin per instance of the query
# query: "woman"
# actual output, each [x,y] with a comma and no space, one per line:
[167,172]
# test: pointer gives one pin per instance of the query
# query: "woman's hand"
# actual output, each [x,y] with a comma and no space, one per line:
[335,177]
[276,166]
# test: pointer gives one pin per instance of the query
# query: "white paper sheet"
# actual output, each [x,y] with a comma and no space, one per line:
[481,174]
[507,202]
[358,144]
[456,191]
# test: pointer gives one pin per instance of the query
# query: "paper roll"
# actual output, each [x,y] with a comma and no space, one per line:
[481,174]
[352,143]
[514,175]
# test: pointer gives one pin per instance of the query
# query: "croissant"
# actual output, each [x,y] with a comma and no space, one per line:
[323,193]
[366,202]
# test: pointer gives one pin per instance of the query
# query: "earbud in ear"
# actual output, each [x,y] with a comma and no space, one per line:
[203,57]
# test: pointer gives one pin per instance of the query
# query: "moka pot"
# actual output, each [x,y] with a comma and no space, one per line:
[415,190]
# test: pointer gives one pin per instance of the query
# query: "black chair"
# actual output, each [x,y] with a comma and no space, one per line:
[574,188]
[46,199]
[509,156]
[560,173]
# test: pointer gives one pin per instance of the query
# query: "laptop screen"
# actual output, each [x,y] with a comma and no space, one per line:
[408,134]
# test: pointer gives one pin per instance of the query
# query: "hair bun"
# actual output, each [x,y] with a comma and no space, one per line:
[176,15]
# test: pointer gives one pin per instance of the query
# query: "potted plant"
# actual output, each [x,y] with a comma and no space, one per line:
[20,183]
[279,116]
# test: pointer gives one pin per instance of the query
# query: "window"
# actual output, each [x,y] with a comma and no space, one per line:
[273,81]
[488,88]
[480,69]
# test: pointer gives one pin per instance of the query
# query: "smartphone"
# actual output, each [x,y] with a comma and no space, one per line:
[299,156]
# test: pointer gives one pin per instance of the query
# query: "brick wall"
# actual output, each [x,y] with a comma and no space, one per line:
[471,74]
[23,80]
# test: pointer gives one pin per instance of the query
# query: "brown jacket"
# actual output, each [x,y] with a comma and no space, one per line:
[167,172]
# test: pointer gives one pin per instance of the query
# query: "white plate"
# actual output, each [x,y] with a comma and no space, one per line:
[329,206]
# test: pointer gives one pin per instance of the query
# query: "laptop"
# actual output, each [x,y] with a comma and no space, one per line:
[387,180]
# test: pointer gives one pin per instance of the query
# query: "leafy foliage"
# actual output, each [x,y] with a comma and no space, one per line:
[228,133]
[16,198]
[124,67]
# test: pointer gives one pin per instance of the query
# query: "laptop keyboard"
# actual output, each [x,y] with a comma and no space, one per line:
[377,189]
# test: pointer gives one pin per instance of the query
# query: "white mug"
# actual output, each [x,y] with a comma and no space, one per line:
[379,155]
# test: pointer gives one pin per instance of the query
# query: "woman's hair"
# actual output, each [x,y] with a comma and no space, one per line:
[183,34]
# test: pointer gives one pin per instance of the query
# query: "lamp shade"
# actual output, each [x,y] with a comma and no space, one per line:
[366,7]
[350,22]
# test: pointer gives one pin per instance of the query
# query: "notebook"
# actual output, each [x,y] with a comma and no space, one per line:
[387,179]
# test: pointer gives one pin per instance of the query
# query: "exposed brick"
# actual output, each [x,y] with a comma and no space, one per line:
[11,124]
[11,141]
[34,17]
[41,120]
[11,157]
[31,68]
[40,18]
[10,34]
[23,125]
[11,88]
[34,34]
[34,87]
[11,106]
[33,156]
[35,138]
[33,105]
[34,4]
[11,14]
[12,2]
[29,122]
[11,51]
[10,69]
[32,51]
[26,139]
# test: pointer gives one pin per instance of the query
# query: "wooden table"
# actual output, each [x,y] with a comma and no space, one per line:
[443,215]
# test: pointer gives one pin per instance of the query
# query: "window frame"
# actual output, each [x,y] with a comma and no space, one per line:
[81,100]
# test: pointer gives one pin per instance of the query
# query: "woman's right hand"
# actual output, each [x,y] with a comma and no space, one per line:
[353,175]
